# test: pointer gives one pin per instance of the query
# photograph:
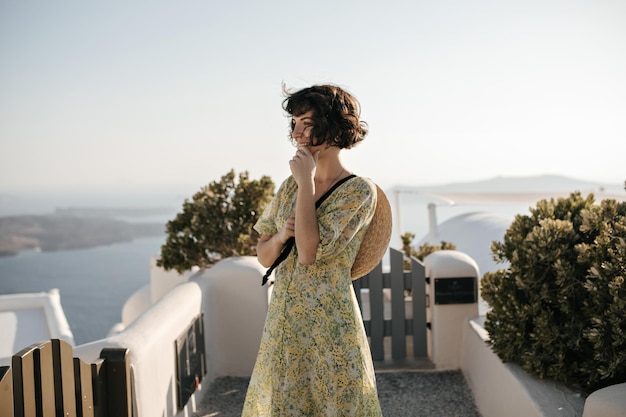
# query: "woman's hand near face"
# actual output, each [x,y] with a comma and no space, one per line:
[303,165]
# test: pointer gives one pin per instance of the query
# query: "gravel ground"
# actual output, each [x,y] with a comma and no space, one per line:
[401,393]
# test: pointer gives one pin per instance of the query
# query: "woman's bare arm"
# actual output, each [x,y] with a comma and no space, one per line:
[268,247]
[306,230]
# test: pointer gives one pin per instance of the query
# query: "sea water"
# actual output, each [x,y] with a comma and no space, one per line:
[93,283]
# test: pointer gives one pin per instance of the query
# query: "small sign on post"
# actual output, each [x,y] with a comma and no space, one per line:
[456,290]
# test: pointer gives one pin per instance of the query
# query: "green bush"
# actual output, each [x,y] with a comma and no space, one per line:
[424,250]
[559,310]
[217,223]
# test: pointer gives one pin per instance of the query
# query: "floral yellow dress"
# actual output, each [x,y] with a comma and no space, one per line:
[314,358]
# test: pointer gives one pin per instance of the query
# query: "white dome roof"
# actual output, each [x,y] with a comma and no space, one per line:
[472,233]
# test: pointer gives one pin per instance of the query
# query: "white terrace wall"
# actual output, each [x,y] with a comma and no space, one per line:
[232,338]
[503,389]
[235,307]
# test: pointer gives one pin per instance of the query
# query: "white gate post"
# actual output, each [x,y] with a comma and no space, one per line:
[453,301]
[235,310]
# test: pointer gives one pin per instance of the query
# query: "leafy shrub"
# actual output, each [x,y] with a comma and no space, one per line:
[217,223]
[559,310]
[424,250]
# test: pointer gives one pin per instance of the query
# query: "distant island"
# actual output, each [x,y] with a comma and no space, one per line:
[112,212]
[64,231]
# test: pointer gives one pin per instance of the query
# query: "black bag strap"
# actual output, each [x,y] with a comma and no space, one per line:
[284,253]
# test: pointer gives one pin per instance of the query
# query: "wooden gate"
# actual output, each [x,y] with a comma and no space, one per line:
[403,289]
[45,380]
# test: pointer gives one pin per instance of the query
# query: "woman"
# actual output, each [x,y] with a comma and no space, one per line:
[314,358]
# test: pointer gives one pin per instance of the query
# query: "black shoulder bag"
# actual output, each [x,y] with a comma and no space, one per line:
[284,253]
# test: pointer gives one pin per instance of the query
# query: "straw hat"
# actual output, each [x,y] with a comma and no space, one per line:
[376,240]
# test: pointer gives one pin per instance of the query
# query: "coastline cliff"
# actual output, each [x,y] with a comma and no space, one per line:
[56,232]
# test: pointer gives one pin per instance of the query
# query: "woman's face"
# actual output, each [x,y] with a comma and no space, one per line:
[301,128]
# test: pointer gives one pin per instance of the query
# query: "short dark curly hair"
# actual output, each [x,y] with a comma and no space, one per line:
[336,115]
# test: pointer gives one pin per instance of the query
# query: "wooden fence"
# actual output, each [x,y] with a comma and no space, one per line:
[399,282]
[44,380]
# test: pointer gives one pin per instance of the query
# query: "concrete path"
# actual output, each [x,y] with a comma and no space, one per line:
[402,393]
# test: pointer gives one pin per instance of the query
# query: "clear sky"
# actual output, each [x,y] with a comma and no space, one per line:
[176,93]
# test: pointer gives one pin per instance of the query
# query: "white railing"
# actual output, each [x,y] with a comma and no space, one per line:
[231,343]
